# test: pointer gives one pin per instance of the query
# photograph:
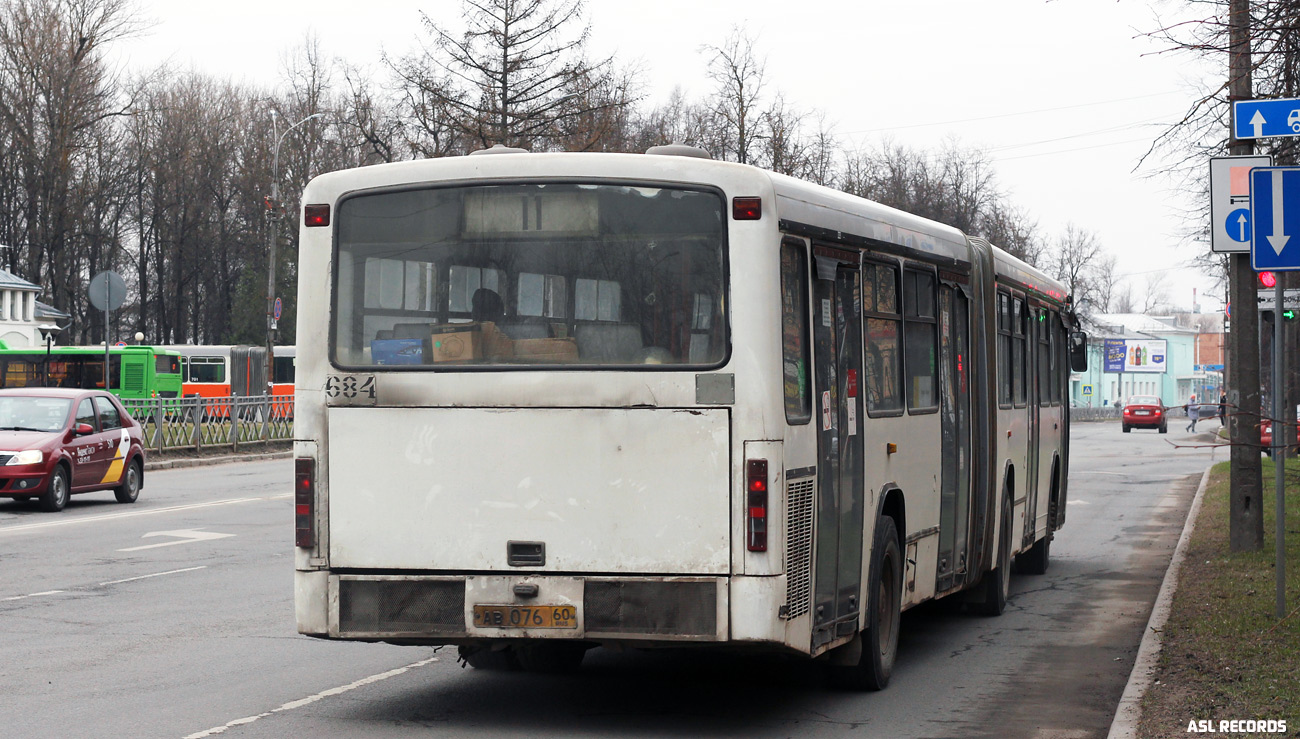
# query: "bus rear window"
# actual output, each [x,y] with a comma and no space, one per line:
[530,275]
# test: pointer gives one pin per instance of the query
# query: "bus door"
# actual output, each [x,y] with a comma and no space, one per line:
[1036,320]
[955,429]
[837,372]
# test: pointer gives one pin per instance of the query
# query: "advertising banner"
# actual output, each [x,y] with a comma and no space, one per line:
[1134,355]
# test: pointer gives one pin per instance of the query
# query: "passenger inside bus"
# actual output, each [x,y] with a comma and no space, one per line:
[486,305]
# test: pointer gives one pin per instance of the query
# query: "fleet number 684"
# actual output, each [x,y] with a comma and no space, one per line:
[350,386]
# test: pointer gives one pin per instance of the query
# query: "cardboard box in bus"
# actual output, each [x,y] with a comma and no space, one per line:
[547,350]
[459,342]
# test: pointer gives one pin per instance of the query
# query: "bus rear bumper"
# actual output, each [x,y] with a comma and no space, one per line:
[463,609]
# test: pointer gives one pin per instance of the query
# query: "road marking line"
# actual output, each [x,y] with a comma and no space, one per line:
[30,595]
[312,699]
[187,536]
[156,574]
[132,514]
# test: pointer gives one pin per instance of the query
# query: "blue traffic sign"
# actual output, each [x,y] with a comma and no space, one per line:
[1263,119]
[1237,225]
[279,307]
[1275,218]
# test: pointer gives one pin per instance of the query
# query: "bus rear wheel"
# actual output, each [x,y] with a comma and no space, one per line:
[879,642]
[992,590]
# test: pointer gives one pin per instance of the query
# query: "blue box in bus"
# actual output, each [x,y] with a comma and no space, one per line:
[397,351]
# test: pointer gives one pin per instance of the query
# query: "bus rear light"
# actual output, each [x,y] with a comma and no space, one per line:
[746,209]
[304,497]
[316,215]
[756,505]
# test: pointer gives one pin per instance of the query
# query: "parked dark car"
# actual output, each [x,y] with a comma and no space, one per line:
[55,442]
[1145,411]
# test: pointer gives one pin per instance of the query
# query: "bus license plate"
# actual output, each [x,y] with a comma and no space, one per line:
[526,617]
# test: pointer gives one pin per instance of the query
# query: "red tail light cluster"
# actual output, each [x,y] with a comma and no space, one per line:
[304,497]
[756,516]
[316,215]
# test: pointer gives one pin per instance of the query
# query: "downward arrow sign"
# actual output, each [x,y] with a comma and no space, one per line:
[1257,122]
[1277,239]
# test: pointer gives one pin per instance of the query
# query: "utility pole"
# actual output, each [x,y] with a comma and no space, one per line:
[272,215]
[1245,505]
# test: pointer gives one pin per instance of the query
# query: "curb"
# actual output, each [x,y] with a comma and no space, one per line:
[176,464]
[1124,726]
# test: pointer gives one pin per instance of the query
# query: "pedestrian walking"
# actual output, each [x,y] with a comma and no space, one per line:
[1193,410]
[1223,409]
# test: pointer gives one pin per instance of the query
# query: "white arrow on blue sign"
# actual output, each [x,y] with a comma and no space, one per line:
[1275,218]
[1264,119]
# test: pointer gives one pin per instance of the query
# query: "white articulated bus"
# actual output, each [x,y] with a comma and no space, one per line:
[552,401]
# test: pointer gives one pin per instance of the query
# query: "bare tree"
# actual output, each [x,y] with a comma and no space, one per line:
[1013,230]
[514,74]
[1074,259]
[738,77]
[1156,297]
[1105,283]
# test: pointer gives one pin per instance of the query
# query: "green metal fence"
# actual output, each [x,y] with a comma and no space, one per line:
[196,423]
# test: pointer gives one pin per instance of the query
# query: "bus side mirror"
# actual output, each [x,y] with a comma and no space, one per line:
[1078,351]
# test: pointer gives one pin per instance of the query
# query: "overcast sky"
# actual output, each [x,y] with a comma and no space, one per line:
[1065,95]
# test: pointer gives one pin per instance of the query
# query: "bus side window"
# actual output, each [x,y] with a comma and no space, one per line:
[884,332]
[919,334]
[1004,350]
[794,332]
[1019,362]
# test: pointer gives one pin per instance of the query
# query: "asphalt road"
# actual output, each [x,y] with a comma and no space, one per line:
[173,618]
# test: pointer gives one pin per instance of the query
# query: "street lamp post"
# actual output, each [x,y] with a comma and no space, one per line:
[271,215]
[48,332]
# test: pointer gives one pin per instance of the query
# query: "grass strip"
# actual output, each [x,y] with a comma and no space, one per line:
[1225,655]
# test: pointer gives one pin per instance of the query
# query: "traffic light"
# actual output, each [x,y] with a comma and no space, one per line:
[1267,279]
[1288,315]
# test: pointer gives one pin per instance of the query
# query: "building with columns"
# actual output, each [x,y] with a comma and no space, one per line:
[21,314]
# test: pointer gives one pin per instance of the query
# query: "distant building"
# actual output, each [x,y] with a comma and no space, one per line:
[1188,355]
[21,314]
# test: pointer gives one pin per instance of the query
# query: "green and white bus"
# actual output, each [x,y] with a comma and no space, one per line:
[134,372]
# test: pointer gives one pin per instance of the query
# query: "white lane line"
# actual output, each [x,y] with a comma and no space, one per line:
[156,574]
[312,699]
[187,536]
[133,514]
[31,595]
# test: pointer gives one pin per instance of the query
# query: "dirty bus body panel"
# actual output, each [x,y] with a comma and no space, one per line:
[549,401]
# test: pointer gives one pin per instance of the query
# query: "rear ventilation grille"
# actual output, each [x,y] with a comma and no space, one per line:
[402,606]
[798,546]
[669,608]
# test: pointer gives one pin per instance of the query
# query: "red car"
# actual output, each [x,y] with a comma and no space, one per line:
[58,441]
[1145,411]
[1266,438]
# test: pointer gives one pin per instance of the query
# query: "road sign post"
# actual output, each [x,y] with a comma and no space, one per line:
[1275,209]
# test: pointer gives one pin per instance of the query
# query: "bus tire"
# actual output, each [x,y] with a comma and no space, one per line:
[879,645]
[56,492]
[129,490]
[551,658]
[486,658]
[997,581]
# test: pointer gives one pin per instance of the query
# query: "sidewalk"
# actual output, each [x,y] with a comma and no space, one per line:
[181,463]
